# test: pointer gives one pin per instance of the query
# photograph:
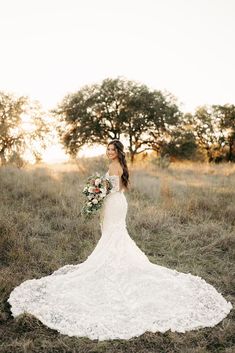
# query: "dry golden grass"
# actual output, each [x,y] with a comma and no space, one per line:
[182,217]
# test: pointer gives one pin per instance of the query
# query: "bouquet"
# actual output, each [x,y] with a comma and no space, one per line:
[96,189]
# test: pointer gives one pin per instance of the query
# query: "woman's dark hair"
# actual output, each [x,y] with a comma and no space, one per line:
[122,159]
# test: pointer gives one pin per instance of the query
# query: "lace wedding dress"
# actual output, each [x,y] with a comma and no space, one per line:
[117,292]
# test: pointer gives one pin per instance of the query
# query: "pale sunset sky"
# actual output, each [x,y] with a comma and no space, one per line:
[53,47]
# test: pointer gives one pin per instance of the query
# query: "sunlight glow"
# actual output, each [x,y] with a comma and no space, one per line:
[181,46]
[96,150]
[27,124]
[54,154]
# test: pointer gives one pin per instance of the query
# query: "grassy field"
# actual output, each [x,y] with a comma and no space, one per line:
[182,217]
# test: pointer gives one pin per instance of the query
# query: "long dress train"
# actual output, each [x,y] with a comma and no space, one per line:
[117,292]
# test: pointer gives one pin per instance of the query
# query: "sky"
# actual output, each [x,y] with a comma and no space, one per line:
[50,48]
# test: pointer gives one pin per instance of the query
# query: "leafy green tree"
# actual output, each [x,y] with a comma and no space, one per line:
[152,116]
[207,131]
[79,120]
[95,114]
[131,110]
[214,129]
[181,146]
[112,106]
[225,115]
[164,120]
[116,108]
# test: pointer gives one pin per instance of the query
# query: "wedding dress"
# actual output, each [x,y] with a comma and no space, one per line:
[117,292]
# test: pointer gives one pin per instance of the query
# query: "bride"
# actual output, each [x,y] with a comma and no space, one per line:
[117,292]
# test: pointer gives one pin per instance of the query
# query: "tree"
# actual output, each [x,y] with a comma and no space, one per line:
[116,108]
[207,131]
[132,110]
[21,126]
[181,146]
[112,106]
[79,120]
[95,114]
[164,118]
[225,114]
[41,129]
[11,139]
[214,129]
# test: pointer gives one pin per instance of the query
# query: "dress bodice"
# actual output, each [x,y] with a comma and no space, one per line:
[115,181]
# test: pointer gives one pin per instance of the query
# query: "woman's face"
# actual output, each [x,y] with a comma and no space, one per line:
[111,152]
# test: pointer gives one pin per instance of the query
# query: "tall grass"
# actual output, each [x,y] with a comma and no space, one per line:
[182,217]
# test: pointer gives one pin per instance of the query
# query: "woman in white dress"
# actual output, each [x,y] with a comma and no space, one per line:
[117,292]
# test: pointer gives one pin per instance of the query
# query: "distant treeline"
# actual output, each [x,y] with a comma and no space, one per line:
[118,108]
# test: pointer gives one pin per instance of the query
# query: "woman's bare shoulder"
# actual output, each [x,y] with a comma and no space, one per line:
[115,169]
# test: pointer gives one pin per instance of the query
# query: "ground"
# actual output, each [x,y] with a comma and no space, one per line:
[182,217]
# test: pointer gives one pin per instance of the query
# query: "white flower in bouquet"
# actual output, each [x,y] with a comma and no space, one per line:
[91,189]
[97,182]
[95,201]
